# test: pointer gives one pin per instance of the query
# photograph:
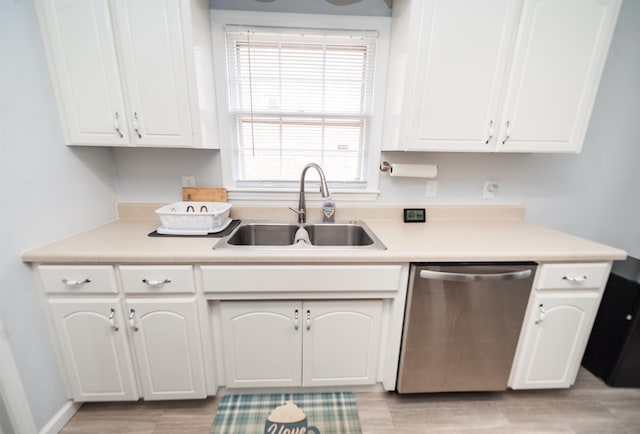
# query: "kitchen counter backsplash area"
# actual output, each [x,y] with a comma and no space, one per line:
[450,213]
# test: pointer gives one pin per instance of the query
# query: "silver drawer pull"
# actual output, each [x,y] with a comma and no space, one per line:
[507,135]
[136,116]
[575,279]
[466,277]
[132,321]
[541,314]
[156,283]
[79,282]
[112,320]
[490,133]
[116,124]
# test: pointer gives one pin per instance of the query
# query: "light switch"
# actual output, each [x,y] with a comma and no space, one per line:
[432,189]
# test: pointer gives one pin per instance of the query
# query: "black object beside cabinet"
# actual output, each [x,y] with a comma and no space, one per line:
[613,351]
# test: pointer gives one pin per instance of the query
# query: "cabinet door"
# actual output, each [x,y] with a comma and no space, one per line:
[166,341]
[554,338]
[341,340]
[262,343]
[82,58]
[560,52]
[152,37]
[460,68]
[93,341]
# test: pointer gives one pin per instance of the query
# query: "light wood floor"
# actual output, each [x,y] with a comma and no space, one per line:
[589,407]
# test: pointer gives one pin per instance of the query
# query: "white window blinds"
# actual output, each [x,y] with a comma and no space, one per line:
[298,97]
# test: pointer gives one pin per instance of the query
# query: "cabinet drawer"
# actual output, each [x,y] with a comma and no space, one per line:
[305,278]
[572,276]
[156,278]
[85,279]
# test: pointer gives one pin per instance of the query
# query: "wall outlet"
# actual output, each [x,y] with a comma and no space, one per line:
[490,189]
[432,189]
[189,181]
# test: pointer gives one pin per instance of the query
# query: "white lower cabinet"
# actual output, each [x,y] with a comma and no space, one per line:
[94,346]
[557,325]
[128,342]
[168,349]
[555,340]
[293,343]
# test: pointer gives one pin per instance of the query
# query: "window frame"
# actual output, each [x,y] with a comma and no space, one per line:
[381,25]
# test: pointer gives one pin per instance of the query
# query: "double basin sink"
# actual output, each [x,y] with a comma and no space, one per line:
[272,235]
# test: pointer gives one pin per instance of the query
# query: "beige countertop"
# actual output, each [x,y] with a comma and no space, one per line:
[451,233]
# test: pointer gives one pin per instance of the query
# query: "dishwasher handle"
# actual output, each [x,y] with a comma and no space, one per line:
[469,277]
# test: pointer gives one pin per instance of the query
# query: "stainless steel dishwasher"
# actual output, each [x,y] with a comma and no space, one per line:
[461,326]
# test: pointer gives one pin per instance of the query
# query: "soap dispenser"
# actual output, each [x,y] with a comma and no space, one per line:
[329,211]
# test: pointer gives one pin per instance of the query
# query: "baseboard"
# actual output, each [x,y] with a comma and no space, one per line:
[60,419]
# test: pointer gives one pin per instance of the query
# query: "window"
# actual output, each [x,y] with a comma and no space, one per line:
[300,95]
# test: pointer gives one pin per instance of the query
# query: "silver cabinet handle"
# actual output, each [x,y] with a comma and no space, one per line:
[116,123]
[308,319]
[296,322]
[135,124]
[507,133]
[78,282]
[132,321]
[490,133]
[541,314]
[112,320]
[156,283]
[575,279]
[466,277]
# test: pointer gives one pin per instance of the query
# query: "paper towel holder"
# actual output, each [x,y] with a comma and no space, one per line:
[385,166]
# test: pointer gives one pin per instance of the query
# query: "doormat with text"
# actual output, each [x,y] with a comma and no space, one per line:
[288,413]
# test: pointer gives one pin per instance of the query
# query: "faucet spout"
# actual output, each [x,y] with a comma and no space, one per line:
[324,190]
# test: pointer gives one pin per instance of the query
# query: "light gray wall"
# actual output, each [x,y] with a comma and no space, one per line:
[155,175]
[47,191]
[593,194]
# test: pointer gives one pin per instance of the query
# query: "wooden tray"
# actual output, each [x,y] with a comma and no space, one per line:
[204,194]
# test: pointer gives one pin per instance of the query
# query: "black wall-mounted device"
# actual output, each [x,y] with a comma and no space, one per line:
[415,215]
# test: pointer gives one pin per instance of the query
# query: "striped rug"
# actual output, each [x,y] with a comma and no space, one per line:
[330,413]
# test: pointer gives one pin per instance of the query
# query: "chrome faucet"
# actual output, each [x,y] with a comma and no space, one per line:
[324,190]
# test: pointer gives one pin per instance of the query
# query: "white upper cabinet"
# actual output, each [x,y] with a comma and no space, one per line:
[460,73]
[496,75]
[558,59]
[84,66]
[125,71]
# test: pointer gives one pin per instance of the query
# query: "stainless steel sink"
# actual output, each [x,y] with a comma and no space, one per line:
[263,234]
[354,235]
[341,234]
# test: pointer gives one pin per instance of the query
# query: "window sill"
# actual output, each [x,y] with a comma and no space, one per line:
[291,195]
